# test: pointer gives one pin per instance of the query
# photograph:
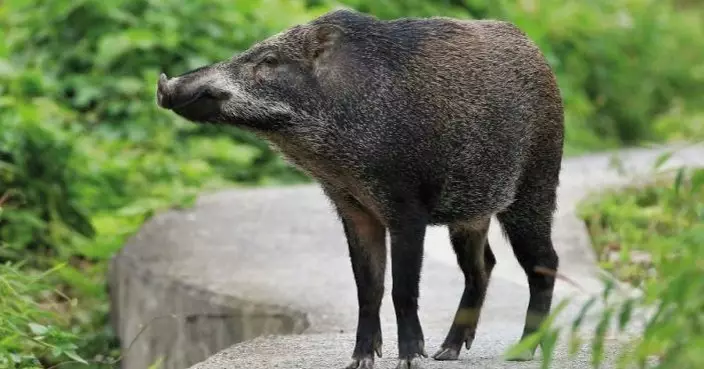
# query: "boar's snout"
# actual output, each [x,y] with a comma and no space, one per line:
[180,92]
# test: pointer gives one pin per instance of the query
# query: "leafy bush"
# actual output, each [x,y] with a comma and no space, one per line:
[85,156]
[105,64]
[31,333]
[35,177]
[656,222]
[663,220]
[625,84]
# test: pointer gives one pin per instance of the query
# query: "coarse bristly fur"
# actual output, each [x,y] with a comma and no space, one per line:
[406,123]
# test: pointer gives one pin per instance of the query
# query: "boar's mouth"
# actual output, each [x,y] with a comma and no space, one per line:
[190,100]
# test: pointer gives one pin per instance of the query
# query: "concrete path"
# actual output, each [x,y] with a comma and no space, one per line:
[282,250]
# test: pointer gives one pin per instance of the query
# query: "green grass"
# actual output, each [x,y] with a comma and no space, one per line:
[35,327]
[661,220]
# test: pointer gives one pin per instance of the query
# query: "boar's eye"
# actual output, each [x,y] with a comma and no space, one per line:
[270,61]
[266,68]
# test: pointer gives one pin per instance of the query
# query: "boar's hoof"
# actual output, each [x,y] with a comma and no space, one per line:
[447,354]
[413,363]
[364,363]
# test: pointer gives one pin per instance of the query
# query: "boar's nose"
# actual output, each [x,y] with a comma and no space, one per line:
[181,91]
[162,94]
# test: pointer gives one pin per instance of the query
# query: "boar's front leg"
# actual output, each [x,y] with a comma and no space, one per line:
[407,236]
[366,239]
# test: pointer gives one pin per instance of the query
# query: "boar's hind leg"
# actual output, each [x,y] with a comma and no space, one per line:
[528,224]
[366,239]
[476,261]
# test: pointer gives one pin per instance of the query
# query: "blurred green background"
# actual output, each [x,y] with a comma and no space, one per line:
[86,156]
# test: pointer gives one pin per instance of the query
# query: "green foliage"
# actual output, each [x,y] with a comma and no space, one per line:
[86,156]
[664,220]
[31,332]
[657,221]
[626,84]
[80,135]
[34,159]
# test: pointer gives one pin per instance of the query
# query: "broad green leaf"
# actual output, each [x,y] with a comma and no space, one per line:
[73,355]
[38,329]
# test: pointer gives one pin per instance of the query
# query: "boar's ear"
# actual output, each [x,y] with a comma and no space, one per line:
[323,40]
